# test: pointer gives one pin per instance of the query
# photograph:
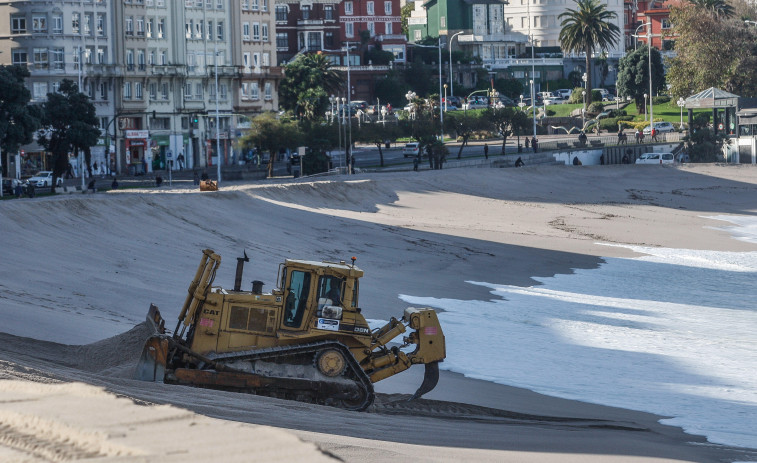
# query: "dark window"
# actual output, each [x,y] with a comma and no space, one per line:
[297,298]
[328,12]
[281,13]
[328,40]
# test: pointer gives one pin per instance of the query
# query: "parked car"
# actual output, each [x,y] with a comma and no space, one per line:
[604,93]
[564,93]
[660,127]
[410,149]
[476,104]
[10,184]
[656,158]
[44,179]
[360,104]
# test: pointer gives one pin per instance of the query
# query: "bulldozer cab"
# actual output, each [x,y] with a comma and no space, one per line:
[319,289]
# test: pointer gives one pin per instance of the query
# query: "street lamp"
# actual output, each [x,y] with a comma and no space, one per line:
[681,103]
[344,123]
[533,103]
[411,96]
[583,110]
[584,77]
[617,103]
[451,89]
[445,98]
[218,122]
[645,106]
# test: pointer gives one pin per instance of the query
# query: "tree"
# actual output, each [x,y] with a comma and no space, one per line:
[18,119]
[466,124]
[716,8]
[711,51]
[269,133]
[69,123]
[308,81]
[377,133]
[702,144]
[391,89]
[587,29]
[505,121]
[633,75]
[405,12]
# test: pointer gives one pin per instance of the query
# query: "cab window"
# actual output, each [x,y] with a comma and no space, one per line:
[330,290]
[296,299]
[354,293]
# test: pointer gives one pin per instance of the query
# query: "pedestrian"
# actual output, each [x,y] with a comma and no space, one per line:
[528,143]
[654,134]
[91,185]
[69,171]
[519,162]
[204,176]
[416,161]
[534,144]
[114,184]
[180,160]
[625,159]
[601,159]
[94,169]
[158,181]
[576,161]
[196,178]
[486,150]
[638,136]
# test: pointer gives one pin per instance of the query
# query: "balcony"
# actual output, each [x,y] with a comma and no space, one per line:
[310,22]
[388,37]
[168,70]
[224,71]
[505,63]
[102,70]
[470,39]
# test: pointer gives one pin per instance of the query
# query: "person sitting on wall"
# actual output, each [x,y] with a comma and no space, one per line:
[519,162]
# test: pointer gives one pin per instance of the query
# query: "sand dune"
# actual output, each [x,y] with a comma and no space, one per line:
[80,272]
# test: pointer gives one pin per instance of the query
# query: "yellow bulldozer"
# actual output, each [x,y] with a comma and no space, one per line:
[305,340]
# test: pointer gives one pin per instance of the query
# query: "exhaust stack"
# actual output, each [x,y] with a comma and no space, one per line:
[240,269]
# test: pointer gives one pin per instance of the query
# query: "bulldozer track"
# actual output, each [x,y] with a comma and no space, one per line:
[317,391]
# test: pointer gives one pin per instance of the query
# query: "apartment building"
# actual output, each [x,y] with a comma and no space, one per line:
[167,77]
[59,40]
[254,52]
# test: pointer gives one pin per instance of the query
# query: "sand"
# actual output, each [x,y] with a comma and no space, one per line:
[80,271]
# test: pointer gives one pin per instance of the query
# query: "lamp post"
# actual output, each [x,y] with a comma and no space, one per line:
[617,103]
[348,157]
[533,102]
[344,123]
[584,77]
[583,110]
[645,106]
[681,103]
[445,97]
[218,122]
[451,88]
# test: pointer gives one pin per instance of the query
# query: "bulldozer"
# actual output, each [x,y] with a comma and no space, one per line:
[304,340]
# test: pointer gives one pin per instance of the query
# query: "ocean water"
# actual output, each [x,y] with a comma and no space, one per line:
[672,333]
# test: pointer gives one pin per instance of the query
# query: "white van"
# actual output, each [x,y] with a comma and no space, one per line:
[655,158]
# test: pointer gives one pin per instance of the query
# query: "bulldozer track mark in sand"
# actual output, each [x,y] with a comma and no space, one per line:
[399,404]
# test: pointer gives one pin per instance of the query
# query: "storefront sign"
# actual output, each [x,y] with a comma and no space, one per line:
[137,134]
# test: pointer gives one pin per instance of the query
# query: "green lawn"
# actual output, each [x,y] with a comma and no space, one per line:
[563,110]
[669,112]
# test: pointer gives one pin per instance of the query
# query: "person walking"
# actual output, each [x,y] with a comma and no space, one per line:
[534,144]
[180,160]
[486,150]
[528,143]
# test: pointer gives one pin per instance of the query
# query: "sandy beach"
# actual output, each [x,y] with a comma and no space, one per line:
[79,272]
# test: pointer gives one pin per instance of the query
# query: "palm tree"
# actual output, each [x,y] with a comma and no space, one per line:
[717,8]
[586,29]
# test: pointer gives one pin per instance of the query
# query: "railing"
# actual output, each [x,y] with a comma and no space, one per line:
[507,62]
[476,38]
[598,142]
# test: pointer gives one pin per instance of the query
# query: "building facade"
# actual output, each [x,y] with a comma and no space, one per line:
[168,78]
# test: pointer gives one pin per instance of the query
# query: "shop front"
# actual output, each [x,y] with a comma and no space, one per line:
[137,153]
[160,145]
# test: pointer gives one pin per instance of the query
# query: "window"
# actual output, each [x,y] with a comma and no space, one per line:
[219,4]
[100,55]
[245,90]
[268,91]
[387,8]
[57,57]
[417,34]
[254,91]
[282,40]
[305,11]
[349,29]
[163,58]
[150,27]
[256,60]
[388,28]
[264,27]
[443,22]
[281,13]
[266,59]
[328,39]
[129,26]
[39,23]
[18,24]
[328,12]
[57,24]
[245,31]
[187,91]
[75,22]
[164,91]
[245,4]
[127,90]
[40,57]
[88,24]
[297,297]
[103,91]
[188,29]
[246,59]
[39,90]
[209,31]
[141,59]
[100,24]
[153,91]
[372,28]
[89,53]
[198,29]
[161,27]
[129,60]
[263,5]
[666,23]
[255,5]
[198,91]
[256,31]
[222,91]
[348,8]
[20,57]
[369,8]
[219,28]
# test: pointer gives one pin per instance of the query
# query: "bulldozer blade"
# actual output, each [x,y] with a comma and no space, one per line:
[429,380]
[152,363]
